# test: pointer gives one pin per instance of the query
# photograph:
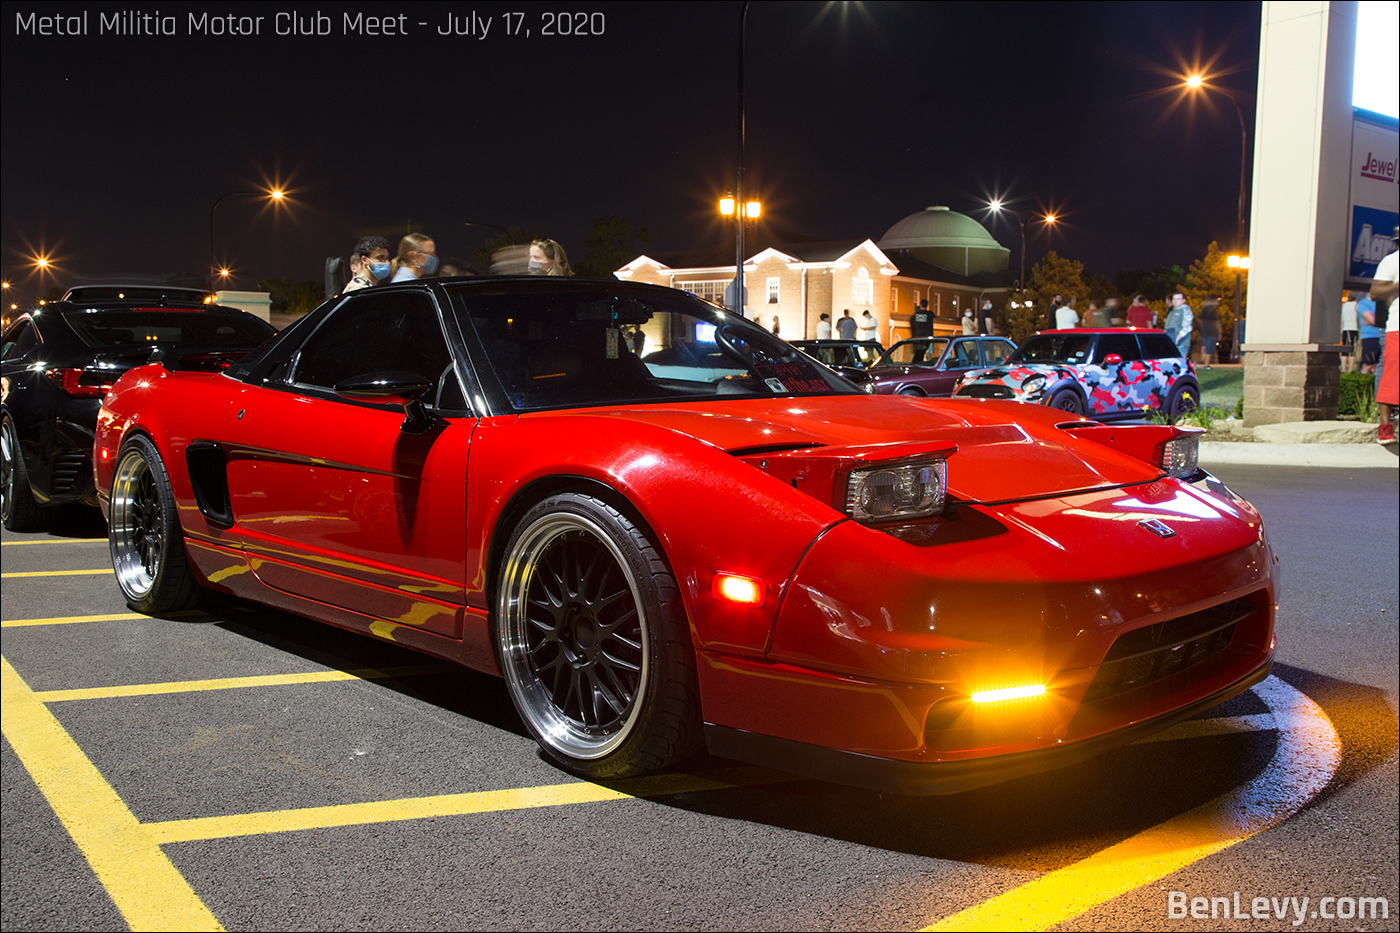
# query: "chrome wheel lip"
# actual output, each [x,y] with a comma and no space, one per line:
[533,698]
[134,526]
[9,450]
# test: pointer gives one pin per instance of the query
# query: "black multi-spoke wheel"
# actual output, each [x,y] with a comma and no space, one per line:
[1182,401]
[17,506]
[1067,400]
[148,548]
[593,642]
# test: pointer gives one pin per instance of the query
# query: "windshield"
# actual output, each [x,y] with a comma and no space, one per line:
[564,346]
[1054,348]
[141,327]
[921,351]
[856,355]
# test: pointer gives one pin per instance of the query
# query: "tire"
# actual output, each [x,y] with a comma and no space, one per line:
[909,390]
[594,643]
[143,528]
[1067,400]
[18,507]
[1183,400]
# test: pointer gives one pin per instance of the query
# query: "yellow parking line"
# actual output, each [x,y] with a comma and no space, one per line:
[232,683]
[52,573]
[65,620]
[492,801]
[1306,758]
[56,541]
[148,890]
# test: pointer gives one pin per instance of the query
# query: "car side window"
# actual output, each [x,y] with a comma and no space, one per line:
[1125,345]
[19,341]
[395,332]
[1158,347]
[963,355]
[996,351]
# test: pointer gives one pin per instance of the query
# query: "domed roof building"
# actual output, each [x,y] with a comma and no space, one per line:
[801,287]
[947,239]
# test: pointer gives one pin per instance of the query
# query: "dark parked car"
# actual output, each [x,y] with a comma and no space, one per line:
[933,365]
[1109,373]
[56,364]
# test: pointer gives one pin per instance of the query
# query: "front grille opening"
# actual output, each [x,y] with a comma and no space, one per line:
[988,391]
[1150,654]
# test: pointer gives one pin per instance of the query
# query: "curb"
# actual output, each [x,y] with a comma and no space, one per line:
[1313,455]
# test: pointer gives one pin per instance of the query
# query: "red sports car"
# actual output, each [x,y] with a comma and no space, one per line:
[668,529]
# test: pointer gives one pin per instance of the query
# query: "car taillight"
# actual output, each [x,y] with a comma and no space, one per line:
[80,383]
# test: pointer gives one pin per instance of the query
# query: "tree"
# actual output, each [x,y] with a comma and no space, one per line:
[1016,319]
[1153,284]
[293,298]
[609,246]
[514,236]
[1056,276]
[1211,277]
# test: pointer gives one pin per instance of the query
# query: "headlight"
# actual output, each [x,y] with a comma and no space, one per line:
[1180,455]
[1034,385]
[900,492]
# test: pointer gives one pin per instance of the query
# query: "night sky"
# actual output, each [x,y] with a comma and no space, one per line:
[115,147]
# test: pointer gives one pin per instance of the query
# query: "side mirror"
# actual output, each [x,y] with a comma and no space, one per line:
[1113,359]
[392,388]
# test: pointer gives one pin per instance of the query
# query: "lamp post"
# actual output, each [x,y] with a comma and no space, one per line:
[1239,264]
[752,210]
[739,177]
[215,271]
[1048,220]
[1239,261]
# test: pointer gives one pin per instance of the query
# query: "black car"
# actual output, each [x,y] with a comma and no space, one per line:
[58,362]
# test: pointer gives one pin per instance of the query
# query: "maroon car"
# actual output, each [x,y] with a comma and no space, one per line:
[933,365]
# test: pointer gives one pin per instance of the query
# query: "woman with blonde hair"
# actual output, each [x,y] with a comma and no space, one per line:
[547,258]
[417,258]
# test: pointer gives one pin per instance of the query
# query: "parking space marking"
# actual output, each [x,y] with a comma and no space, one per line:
[491,801]
[66,620]
[56,541]
[149,891]
[52,573]
[1307,756]
[233,683]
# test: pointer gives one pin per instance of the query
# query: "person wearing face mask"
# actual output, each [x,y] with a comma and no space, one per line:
[369,263]
[417,258]
[547,258]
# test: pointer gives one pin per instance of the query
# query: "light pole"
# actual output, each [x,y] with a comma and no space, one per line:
[215,271]
[1239,264]
[1239,261]
[739,177]
[996,207]
[752,210]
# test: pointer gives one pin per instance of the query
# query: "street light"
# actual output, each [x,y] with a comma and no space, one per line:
[1239,264]
[739,176]
[996,206]
[275,195]
[752,210]
[1196,83]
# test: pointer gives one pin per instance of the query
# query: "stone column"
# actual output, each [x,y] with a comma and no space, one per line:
[1298,224]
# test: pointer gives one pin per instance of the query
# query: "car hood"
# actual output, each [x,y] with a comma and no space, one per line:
[1019,373]
[1006,451]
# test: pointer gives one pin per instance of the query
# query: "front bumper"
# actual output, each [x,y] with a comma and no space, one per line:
[918,778]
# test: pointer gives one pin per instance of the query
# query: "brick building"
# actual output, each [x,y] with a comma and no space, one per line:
[939,255]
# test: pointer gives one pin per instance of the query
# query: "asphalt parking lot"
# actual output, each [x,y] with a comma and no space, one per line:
[241,768]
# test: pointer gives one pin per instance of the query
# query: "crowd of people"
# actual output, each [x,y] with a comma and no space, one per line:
[417,258]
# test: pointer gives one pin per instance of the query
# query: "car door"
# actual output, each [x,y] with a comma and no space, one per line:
[962,356]
[1116,373]
[332,499]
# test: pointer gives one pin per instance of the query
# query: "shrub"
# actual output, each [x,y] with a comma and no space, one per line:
[1357,390]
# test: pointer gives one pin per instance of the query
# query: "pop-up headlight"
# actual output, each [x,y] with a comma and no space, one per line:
[899,492]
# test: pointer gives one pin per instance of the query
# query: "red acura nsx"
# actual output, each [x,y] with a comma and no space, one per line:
[667,530]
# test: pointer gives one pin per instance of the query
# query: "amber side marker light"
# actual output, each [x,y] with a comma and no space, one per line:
[1009,693]
[733,588]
